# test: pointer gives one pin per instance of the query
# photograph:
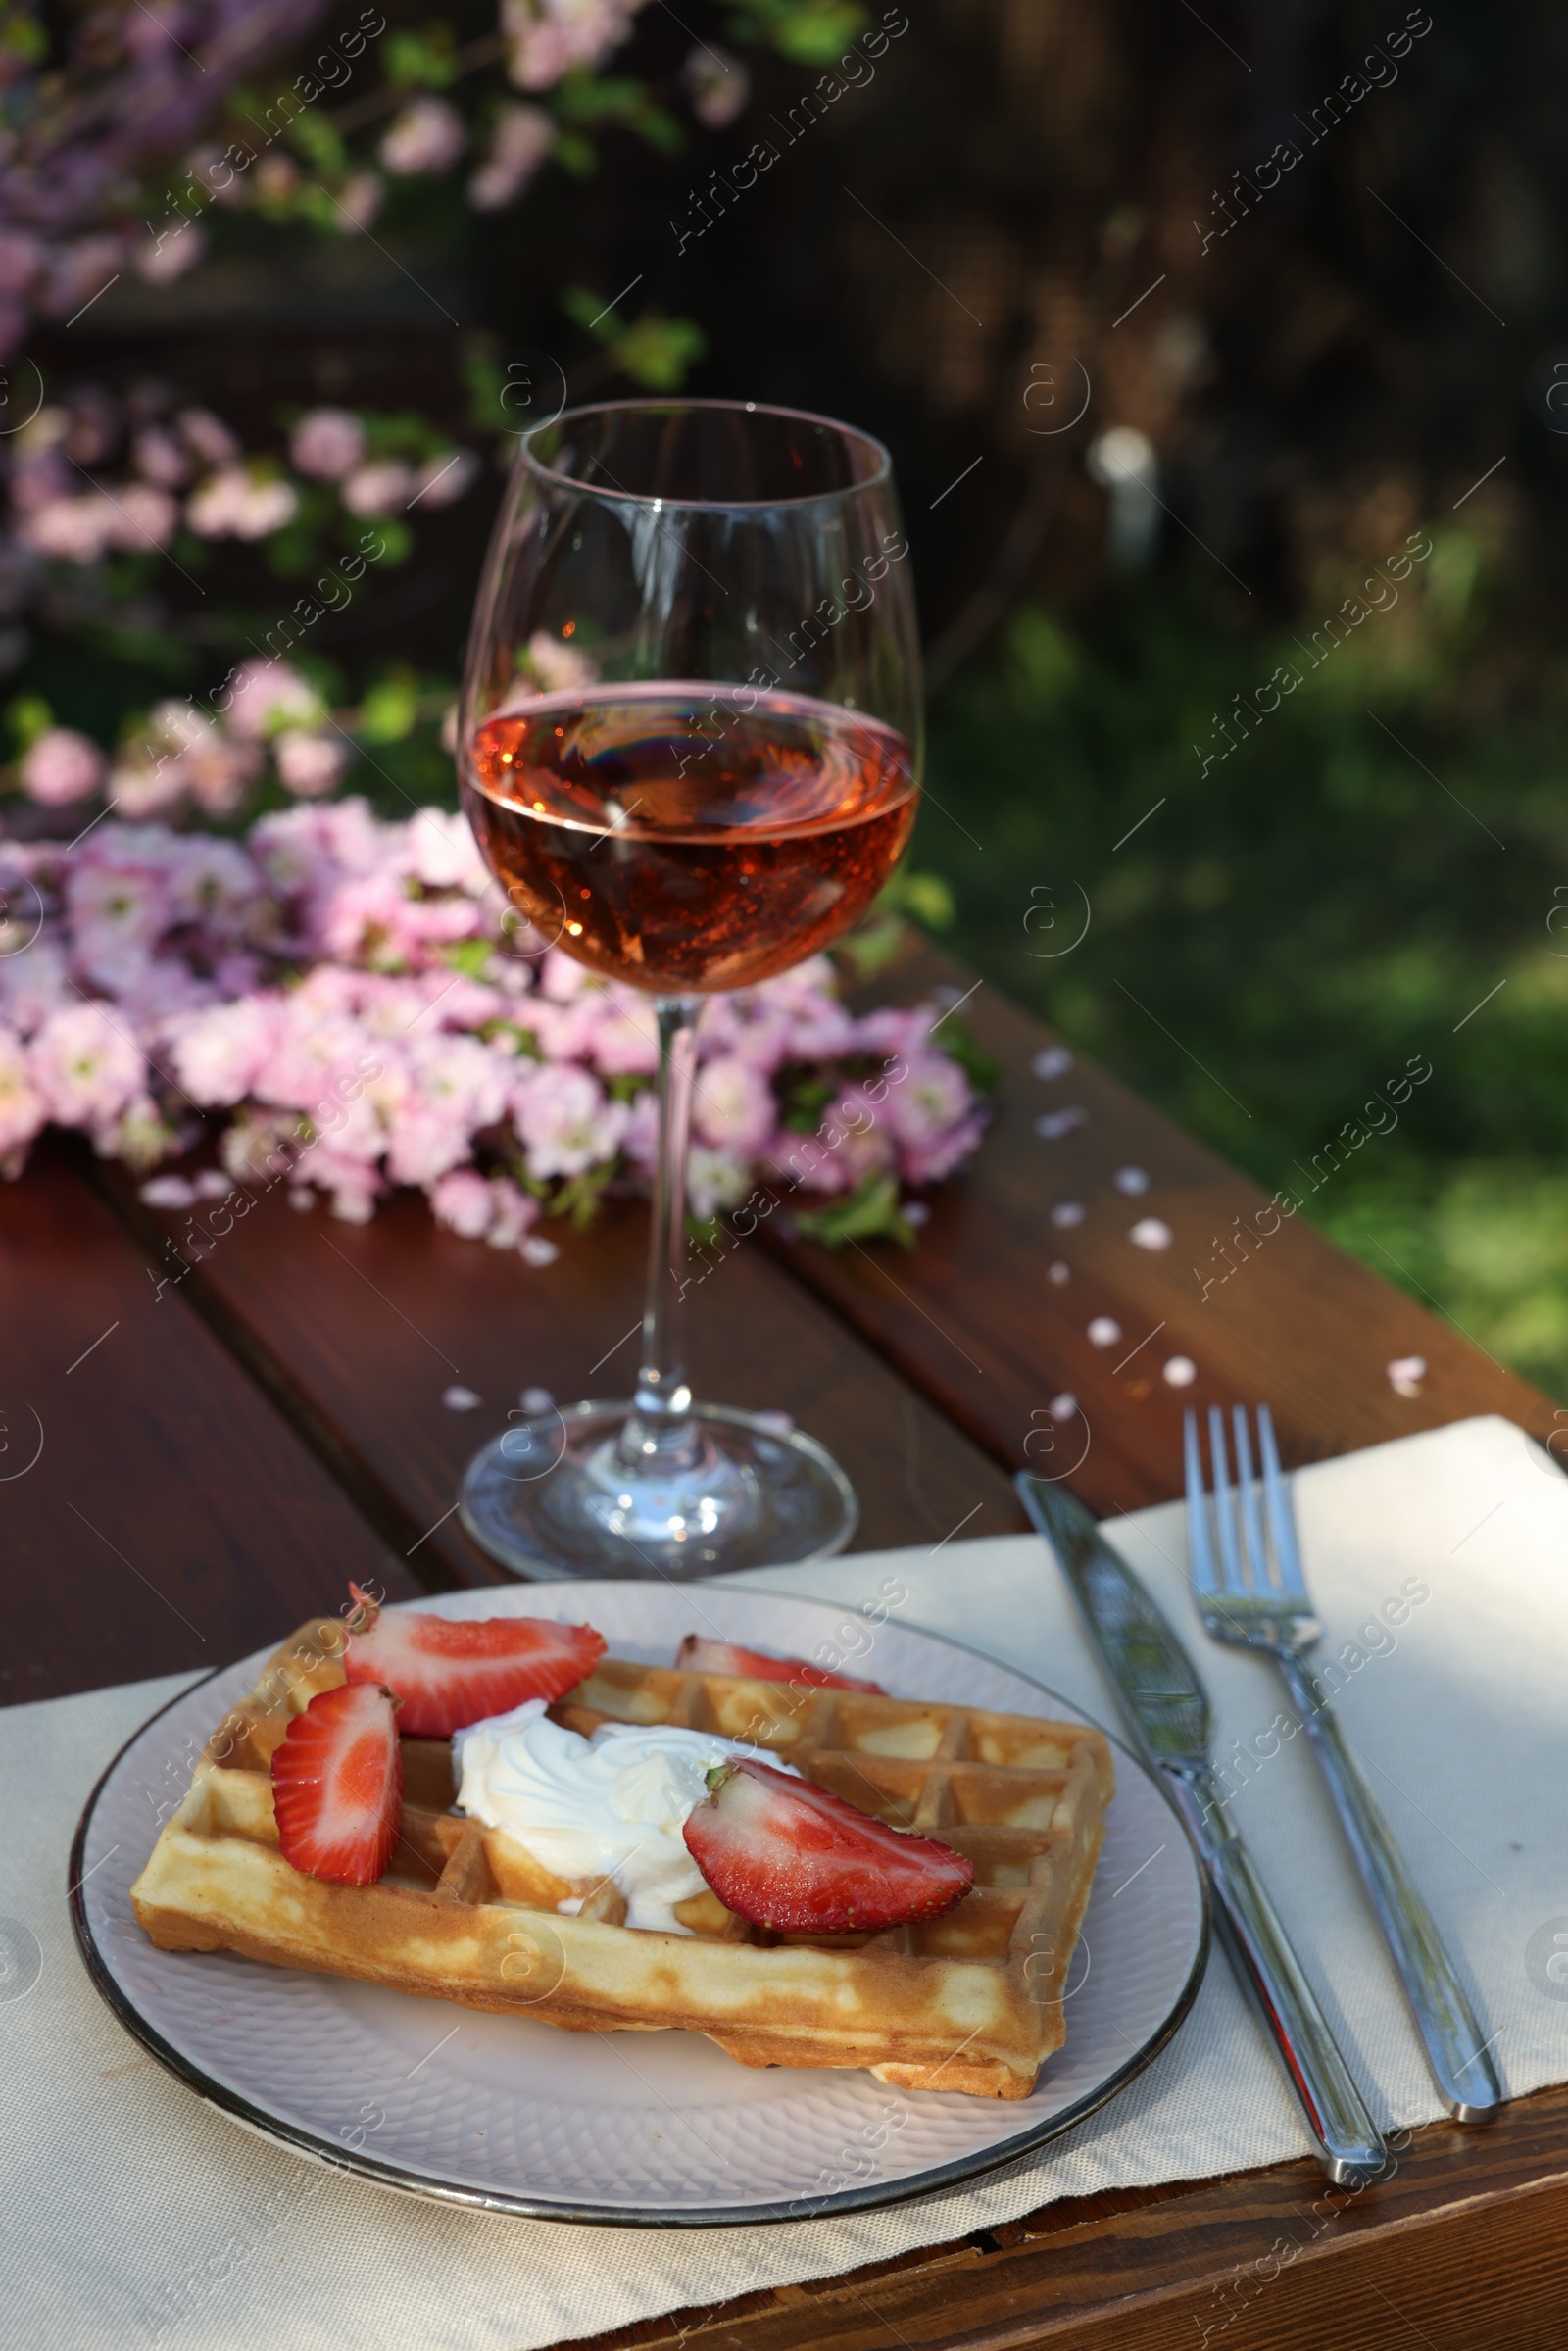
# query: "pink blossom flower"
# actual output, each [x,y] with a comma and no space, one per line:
[22,1107]
[519,143]
[310,1051]
[514,1213]
[565,1122]
[933,1115]
[359,200]
[457,1086]
[77,271]
[208,436]
[238,504]
[216,1055]
[463,1076]
[137,1135]
[160,458]
[326,443]
[462,1202]
[733,1108]
[714,1180]
[61,765]
[140,516]
[559,670]
[203,164]
[34,984]
[640,1142]
[72,530]
[146,781]
[933,1098]
[213,883]
[382,487]
[445,478]
[20,259]
[548,37]
[929,1162]
[373,920]
[215,771]
[309,764]
[169,253]
[893,1032]
[264,697]
[119,909]
[440,851]
[355,1185]
[820,1032]
[719,85]
[277,178]
[806,1160]
[162,986]
[423,1144]
[851,1142]
[562,979]
[428,136]
[624,1038]
[84,1067]
[40,470]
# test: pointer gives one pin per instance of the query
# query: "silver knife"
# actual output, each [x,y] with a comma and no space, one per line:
[1168,1711]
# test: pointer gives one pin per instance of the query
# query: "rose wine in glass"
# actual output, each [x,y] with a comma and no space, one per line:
[669,836]
[690,753]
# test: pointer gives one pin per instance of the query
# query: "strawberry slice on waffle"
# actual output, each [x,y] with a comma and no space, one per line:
[338,1786]
[695,1655]
[449,1671]
[787,1854]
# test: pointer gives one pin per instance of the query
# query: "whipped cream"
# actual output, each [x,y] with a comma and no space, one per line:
[609,1806]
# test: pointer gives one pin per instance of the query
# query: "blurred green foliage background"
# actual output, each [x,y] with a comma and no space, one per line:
[1338,894]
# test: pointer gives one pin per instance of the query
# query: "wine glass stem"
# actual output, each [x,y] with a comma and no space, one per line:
[661,1436]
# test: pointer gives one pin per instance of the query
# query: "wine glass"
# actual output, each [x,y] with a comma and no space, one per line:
[690,751]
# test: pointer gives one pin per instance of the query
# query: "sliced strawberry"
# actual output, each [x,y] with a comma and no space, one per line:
[338,1786]
[450,1671]
[795,1857]
[699,1656]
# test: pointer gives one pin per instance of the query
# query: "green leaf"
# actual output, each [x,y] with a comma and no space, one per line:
[873,1211]
[578,1197]
[874,943]
[810,32]
[471,956]
[588,309]
[955,1040]
[576,154]
[656,352]
[396,537]
[28,717]
[422,60]
[314,135]
[389,710]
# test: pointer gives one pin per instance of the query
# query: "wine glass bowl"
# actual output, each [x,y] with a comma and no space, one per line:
[690,750]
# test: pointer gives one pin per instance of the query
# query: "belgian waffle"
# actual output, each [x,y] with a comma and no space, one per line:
[970,2001]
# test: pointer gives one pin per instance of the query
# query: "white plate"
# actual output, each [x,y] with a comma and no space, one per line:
[658,2129]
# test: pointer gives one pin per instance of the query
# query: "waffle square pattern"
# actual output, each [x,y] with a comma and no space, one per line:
[968,2001]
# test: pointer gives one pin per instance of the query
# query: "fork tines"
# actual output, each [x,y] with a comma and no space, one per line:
[1226,1530]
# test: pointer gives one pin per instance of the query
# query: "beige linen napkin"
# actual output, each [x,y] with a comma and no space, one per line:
[1440,1565]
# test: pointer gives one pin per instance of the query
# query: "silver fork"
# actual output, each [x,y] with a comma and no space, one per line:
[1253,1593]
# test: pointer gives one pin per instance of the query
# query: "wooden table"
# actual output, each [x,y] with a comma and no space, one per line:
[189,1471]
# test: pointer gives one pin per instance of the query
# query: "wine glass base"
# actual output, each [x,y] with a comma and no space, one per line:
[549,1499]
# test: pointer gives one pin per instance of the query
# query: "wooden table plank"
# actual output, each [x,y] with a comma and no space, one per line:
[990,1314]
[1459,2249]
[360,1328]
[172,1518]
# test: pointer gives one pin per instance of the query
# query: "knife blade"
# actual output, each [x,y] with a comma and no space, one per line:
[1169,1713]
